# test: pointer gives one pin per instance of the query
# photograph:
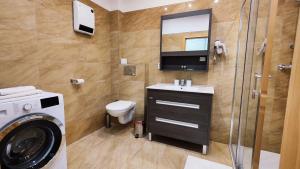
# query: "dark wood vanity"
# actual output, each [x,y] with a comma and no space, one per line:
[182,112]
[180,115]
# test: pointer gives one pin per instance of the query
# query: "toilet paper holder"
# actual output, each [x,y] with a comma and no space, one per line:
[77,81]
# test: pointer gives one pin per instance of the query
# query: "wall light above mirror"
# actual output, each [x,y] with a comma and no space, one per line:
[185,40]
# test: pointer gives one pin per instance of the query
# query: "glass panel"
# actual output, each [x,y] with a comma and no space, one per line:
[239,78]
[245,107]
[282,53]
[255,81]
[25,145]
[30,145]
[253,27]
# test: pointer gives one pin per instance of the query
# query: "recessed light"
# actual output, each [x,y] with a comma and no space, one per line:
[190,5]
[165,8]
[216,1]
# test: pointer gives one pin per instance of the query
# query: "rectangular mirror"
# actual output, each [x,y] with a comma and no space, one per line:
[186,35]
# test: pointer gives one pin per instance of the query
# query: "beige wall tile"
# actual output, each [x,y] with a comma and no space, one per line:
[39,47]
[14,73]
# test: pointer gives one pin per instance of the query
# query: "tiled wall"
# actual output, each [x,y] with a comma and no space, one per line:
[286,25]
[138,36]
[39,47]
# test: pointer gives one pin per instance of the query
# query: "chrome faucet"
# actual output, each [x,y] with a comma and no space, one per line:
[284,67]
[182,82]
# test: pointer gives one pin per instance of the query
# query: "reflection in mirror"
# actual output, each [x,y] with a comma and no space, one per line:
[186,33]
[196,43]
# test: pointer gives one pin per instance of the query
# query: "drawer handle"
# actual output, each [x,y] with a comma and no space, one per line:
[178,123]
[177,104]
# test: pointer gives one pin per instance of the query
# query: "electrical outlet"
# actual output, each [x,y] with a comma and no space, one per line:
[124,61]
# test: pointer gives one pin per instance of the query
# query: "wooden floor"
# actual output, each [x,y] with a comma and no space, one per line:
[117,148]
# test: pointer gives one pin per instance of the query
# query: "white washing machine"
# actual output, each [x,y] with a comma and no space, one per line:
[32,132]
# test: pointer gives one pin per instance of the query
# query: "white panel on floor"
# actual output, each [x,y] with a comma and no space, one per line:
[269,160]
[198,163]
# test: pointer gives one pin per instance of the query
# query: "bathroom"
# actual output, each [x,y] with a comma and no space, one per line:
[39,47]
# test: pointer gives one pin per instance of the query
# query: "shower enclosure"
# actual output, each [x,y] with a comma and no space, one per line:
[253,136]
[244,108]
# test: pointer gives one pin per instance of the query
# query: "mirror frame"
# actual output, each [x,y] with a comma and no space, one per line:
[186,53]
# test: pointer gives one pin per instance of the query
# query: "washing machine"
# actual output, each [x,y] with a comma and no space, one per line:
[32,132]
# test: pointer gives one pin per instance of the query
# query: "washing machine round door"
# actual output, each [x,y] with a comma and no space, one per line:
[29,142]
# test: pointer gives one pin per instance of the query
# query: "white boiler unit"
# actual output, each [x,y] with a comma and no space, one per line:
[84,18]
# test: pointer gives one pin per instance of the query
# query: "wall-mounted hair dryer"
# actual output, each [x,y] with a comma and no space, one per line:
[220,49]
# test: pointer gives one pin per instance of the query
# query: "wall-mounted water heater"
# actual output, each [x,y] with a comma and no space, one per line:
[83,18]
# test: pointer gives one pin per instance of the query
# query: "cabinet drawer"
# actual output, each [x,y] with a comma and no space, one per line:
[201,107]
[191,132]
[181,97]
[179,113]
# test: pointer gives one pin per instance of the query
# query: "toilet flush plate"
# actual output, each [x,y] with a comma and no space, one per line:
[130,70]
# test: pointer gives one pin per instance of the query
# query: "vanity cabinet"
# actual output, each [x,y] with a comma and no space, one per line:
[180,115]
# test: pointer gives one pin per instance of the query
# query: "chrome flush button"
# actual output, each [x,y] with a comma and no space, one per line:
[27,107]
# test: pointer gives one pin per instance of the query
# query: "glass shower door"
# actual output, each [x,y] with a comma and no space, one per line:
[249,68]
[242,133]
[239,78]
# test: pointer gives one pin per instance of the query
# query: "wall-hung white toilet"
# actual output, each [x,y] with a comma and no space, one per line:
[123,110]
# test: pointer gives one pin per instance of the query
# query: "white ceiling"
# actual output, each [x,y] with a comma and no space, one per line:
[133,5]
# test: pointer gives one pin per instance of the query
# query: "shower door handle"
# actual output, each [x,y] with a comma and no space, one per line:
[256,92]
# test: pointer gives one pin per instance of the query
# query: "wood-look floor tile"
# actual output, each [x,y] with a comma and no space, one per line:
[116,148]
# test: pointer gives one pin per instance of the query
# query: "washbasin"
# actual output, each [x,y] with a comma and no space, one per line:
[193,89]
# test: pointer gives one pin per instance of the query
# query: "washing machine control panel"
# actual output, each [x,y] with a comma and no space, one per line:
[27,107]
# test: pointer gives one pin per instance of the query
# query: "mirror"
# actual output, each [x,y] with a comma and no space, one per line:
[185,41]
[186,33]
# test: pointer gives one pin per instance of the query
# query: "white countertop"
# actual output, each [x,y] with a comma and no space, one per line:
[193,89]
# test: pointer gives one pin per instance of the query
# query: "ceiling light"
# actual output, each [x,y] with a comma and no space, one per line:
[165,8]
[190,5]
[216,1]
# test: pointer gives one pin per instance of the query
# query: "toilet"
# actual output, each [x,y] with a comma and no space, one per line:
[122,109]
